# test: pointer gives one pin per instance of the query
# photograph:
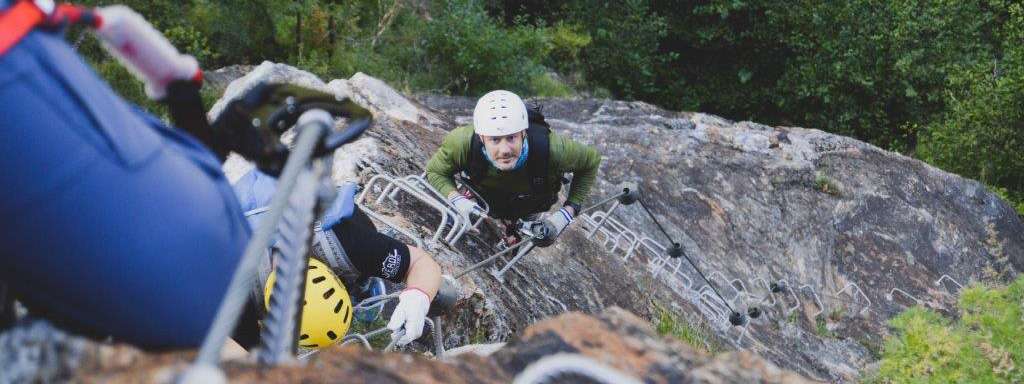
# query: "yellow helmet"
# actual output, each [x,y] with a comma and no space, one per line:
[327,309]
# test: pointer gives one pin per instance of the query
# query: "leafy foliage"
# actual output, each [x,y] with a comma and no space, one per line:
[986,345]
[979,133]
[467,47]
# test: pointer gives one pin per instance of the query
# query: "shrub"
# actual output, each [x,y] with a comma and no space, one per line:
[546,85]
[470,53]
[986,345]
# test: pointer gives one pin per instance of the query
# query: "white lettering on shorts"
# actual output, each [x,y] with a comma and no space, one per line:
[391,265]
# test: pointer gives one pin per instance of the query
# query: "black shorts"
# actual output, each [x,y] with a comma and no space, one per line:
[370,252]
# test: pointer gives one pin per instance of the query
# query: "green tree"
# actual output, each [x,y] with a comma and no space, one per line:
[471,53]
[978,135]
[623,55]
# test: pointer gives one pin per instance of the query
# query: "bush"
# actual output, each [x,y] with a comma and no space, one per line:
[470,53]
[546,85]
[623,54]
[125,84]
[567,41]
[940,80]
[190,40]
[978,136]
[241,31]
[986,345]
[1015,200]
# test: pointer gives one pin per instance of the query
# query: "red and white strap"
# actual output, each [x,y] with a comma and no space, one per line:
[17,21]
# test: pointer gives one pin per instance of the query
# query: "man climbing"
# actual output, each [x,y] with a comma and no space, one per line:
[515,162]
[347,244]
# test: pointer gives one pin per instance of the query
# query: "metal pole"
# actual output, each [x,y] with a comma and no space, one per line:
[600,223]
[281,324]
[616,196]
[438,338]
[522,252]
[488,260]
[238,290]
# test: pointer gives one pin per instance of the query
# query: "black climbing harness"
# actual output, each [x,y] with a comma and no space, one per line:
[537,134]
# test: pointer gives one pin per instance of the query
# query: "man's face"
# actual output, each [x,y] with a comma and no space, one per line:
[504,150]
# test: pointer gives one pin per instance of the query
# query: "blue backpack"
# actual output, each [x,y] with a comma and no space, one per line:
[116,224]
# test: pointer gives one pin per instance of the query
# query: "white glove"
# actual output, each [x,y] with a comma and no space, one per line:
[410,314]
[463,205]
[144,51]
[559,220]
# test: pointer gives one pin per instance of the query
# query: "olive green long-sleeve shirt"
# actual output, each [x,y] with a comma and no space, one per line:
[566,155]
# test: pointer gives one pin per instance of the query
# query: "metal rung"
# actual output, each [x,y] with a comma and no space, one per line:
[892,296]
[689,282]
[742,287]
[600,222]
[448,215]
[817,300]
[744,331]
[614,232]
[767,288]
[384,220]
[712,303]
[726,280]
[346,340]
[796,299]
[420,181]
[938,283]
[854,286]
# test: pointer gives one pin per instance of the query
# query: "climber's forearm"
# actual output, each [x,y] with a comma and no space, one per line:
[424,273]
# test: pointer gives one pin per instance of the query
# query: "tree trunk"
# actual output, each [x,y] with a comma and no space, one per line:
[331,35]
[298,32]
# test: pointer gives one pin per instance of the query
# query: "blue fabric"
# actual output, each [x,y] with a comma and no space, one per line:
[519,162]
[342,208]
[256,189]
[116,225]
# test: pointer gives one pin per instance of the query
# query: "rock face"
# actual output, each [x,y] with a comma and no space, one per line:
[763,204]
[855,234]
[627,343]
[615,339]
[849,233]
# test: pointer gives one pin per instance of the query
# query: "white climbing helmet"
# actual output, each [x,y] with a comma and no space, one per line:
[499,113]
